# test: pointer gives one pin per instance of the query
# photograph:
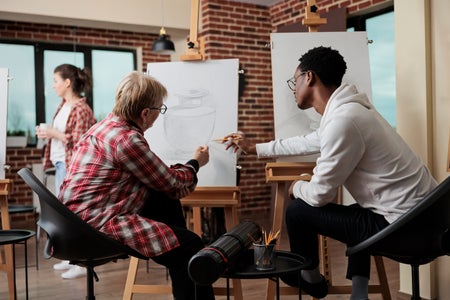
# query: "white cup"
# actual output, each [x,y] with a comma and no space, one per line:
[43,126]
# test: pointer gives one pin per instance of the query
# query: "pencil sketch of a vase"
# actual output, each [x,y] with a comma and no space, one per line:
[190,123]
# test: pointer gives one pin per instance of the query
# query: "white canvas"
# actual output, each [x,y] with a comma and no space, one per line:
[3,118]
[202,106]
[286,50]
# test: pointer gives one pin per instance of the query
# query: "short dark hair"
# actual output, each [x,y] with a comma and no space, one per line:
[327,63]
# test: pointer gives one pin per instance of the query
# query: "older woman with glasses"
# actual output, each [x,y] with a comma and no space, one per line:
[120,187]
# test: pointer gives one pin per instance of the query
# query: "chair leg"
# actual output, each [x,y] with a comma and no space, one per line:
[415,282]
[90,283]
[37,238]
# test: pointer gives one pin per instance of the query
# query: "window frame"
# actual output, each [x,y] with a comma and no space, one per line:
[359,22]
[41,47]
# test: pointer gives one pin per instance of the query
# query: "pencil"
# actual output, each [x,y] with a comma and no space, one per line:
[234,138]
[224,139]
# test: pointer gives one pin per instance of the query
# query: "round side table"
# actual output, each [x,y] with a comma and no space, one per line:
[19,209]
[285,263]
[12,237]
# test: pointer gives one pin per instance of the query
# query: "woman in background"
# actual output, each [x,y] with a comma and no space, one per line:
[73,117]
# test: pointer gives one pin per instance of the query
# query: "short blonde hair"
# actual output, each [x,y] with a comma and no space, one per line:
[135,92]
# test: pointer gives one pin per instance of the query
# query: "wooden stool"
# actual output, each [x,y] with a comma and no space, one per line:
[285,172]
[226,197]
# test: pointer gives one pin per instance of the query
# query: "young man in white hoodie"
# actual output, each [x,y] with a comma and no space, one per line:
[358,150]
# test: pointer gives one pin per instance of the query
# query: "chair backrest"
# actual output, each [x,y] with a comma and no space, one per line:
[69,237]
[420,235]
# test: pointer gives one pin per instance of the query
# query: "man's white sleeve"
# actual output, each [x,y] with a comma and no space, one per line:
[298,145]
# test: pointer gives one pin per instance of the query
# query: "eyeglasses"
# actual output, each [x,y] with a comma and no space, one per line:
[291,81]
[162,109]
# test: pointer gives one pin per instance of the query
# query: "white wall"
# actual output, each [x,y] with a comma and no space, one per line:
[141,15]
[423,99]
[131,15]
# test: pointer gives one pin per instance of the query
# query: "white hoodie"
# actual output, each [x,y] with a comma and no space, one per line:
[361,151]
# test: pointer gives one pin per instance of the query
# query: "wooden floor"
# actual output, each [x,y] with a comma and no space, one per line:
[47,284]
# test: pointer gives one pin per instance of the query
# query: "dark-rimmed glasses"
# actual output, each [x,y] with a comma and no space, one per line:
[162,109]
[292,81]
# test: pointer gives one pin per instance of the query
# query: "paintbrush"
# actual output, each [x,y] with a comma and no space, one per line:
[234,137]
[224,139]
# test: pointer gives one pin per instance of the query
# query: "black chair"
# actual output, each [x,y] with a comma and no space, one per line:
[70,238]
[418,237]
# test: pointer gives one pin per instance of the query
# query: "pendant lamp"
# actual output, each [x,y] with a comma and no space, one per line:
[163,45]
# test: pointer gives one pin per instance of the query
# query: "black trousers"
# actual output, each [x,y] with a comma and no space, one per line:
[348,224]
[169,211]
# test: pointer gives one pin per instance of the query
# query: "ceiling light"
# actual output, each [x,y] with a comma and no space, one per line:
[163,45]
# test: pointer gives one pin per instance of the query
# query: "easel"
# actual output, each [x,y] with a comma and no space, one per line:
[210,196]
[195,48]
[282,173]
[226,197]
[312,18]
[7,265]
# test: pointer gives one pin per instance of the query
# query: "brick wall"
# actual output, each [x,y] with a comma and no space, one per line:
[231,30]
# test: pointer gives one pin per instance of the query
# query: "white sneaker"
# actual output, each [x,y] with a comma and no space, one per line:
[74,272]
[63,265]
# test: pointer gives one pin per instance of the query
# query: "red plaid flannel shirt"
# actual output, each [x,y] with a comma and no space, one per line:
[109,179]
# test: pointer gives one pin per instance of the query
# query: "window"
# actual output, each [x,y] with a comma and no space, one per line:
[105,89]
[21,96]
[380,29]
[53,58]
[31,98]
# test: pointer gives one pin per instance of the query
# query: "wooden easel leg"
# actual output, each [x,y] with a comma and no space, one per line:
[131,278]
[8,264]
[237,289]
[384,285]
[231,220]
[325,262]
[231,217]
[271,290]
[8,267]
[197,217]
[277,224]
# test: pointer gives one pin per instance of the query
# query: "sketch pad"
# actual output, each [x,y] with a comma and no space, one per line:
[202,105]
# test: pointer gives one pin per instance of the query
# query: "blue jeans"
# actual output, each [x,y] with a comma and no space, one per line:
[60,173]
[348,224]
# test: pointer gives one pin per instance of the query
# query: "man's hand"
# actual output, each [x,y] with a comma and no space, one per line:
[291,190]
[239,143]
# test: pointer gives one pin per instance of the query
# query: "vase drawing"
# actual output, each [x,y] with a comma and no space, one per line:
[190,123]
